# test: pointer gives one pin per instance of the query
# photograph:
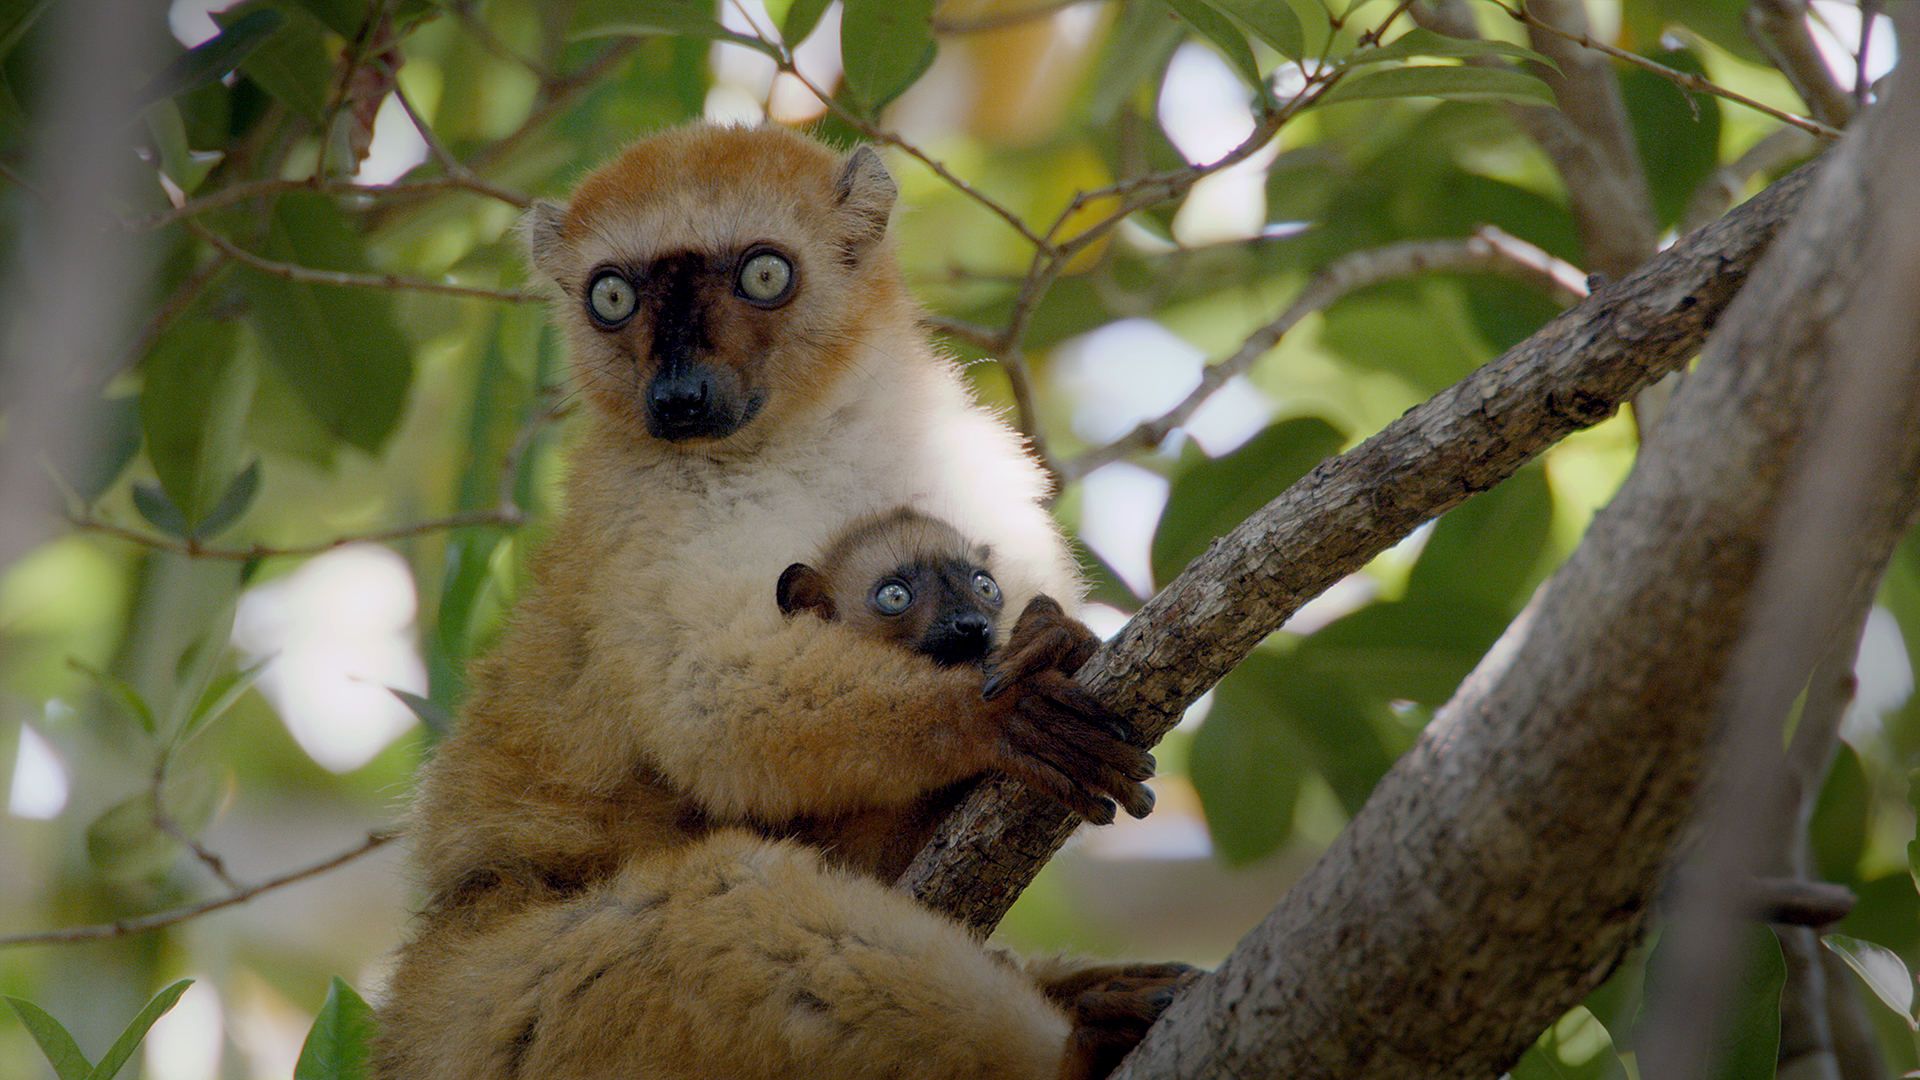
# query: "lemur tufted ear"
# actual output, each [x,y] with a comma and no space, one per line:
[865,193]
[542,228]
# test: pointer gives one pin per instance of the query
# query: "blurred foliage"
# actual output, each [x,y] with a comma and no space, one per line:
[321,357]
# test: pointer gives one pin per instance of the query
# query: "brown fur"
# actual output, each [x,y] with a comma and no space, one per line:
[604,895]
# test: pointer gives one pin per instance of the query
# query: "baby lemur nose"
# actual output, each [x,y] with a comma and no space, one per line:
[967,637]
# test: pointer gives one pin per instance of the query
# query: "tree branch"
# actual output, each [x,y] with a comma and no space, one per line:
[1779,29]
[1573,373]
[144,923]
[1489,250]
[348,280]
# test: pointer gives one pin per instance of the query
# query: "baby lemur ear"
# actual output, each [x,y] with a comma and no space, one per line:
[802,588]
[541,227]
[865,193]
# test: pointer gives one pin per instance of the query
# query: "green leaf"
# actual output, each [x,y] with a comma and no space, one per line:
[1489,548]
[885,45]
[1442,81]
[211,60]
[1272,21]
[123,692]
[199,389]
[656,18]
[233,502]
[436,719]
[292,62]
[1246,764]
[115,424]
[1678,133]
[129,1040]
[802,17]
[1885,973]
[1226,37]
[178,161]
[152,503]
[348,17]
[338,1045]
[1135,54]
[16,28]
[1718,21]
[61,1051]
[1913,846]
[1753,1036]
[220,696]
[1214,495]
[1838,831]
[339,348]
[126,844]
[1416,649]
[1419,42]
[1576,1047]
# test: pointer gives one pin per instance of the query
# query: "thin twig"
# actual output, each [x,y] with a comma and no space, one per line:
[144,923]
[555,96]
[510,517]
[506,512]
[350,280]
[13,177]
[980,337]
[1487,251]
[483,36]
[168,311]
[319,185]
[1685,80]
[787,65]
[452,166]
[168,826]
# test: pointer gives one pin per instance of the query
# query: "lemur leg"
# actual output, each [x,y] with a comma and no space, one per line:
[734,958]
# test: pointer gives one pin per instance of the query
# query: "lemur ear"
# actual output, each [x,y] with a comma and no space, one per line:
[865,193]
[542,229]
[802,588]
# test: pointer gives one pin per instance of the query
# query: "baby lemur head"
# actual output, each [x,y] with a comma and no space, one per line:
[713,278]
[906,578]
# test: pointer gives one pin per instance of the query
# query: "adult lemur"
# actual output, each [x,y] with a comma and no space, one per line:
[607,843]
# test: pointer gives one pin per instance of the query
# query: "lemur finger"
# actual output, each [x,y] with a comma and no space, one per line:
[1087,756]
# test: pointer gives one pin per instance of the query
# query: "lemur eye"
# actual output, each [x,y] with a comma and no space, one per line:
[892,598]
[985,587]
[610,299]
[766,278]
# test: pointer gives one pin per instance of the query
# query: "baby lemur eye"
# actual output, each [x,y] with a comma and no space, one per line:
[892,598]
[987,588]
[766,278]
[610,298]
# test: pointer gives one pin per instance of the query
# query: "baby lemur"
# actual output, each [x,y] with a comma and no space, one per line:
[612,843]
[906,578]
[912,580]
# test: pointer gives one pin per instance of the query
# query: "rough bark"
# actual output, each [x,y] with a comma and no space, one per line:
[1573,373]
[1510,858]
